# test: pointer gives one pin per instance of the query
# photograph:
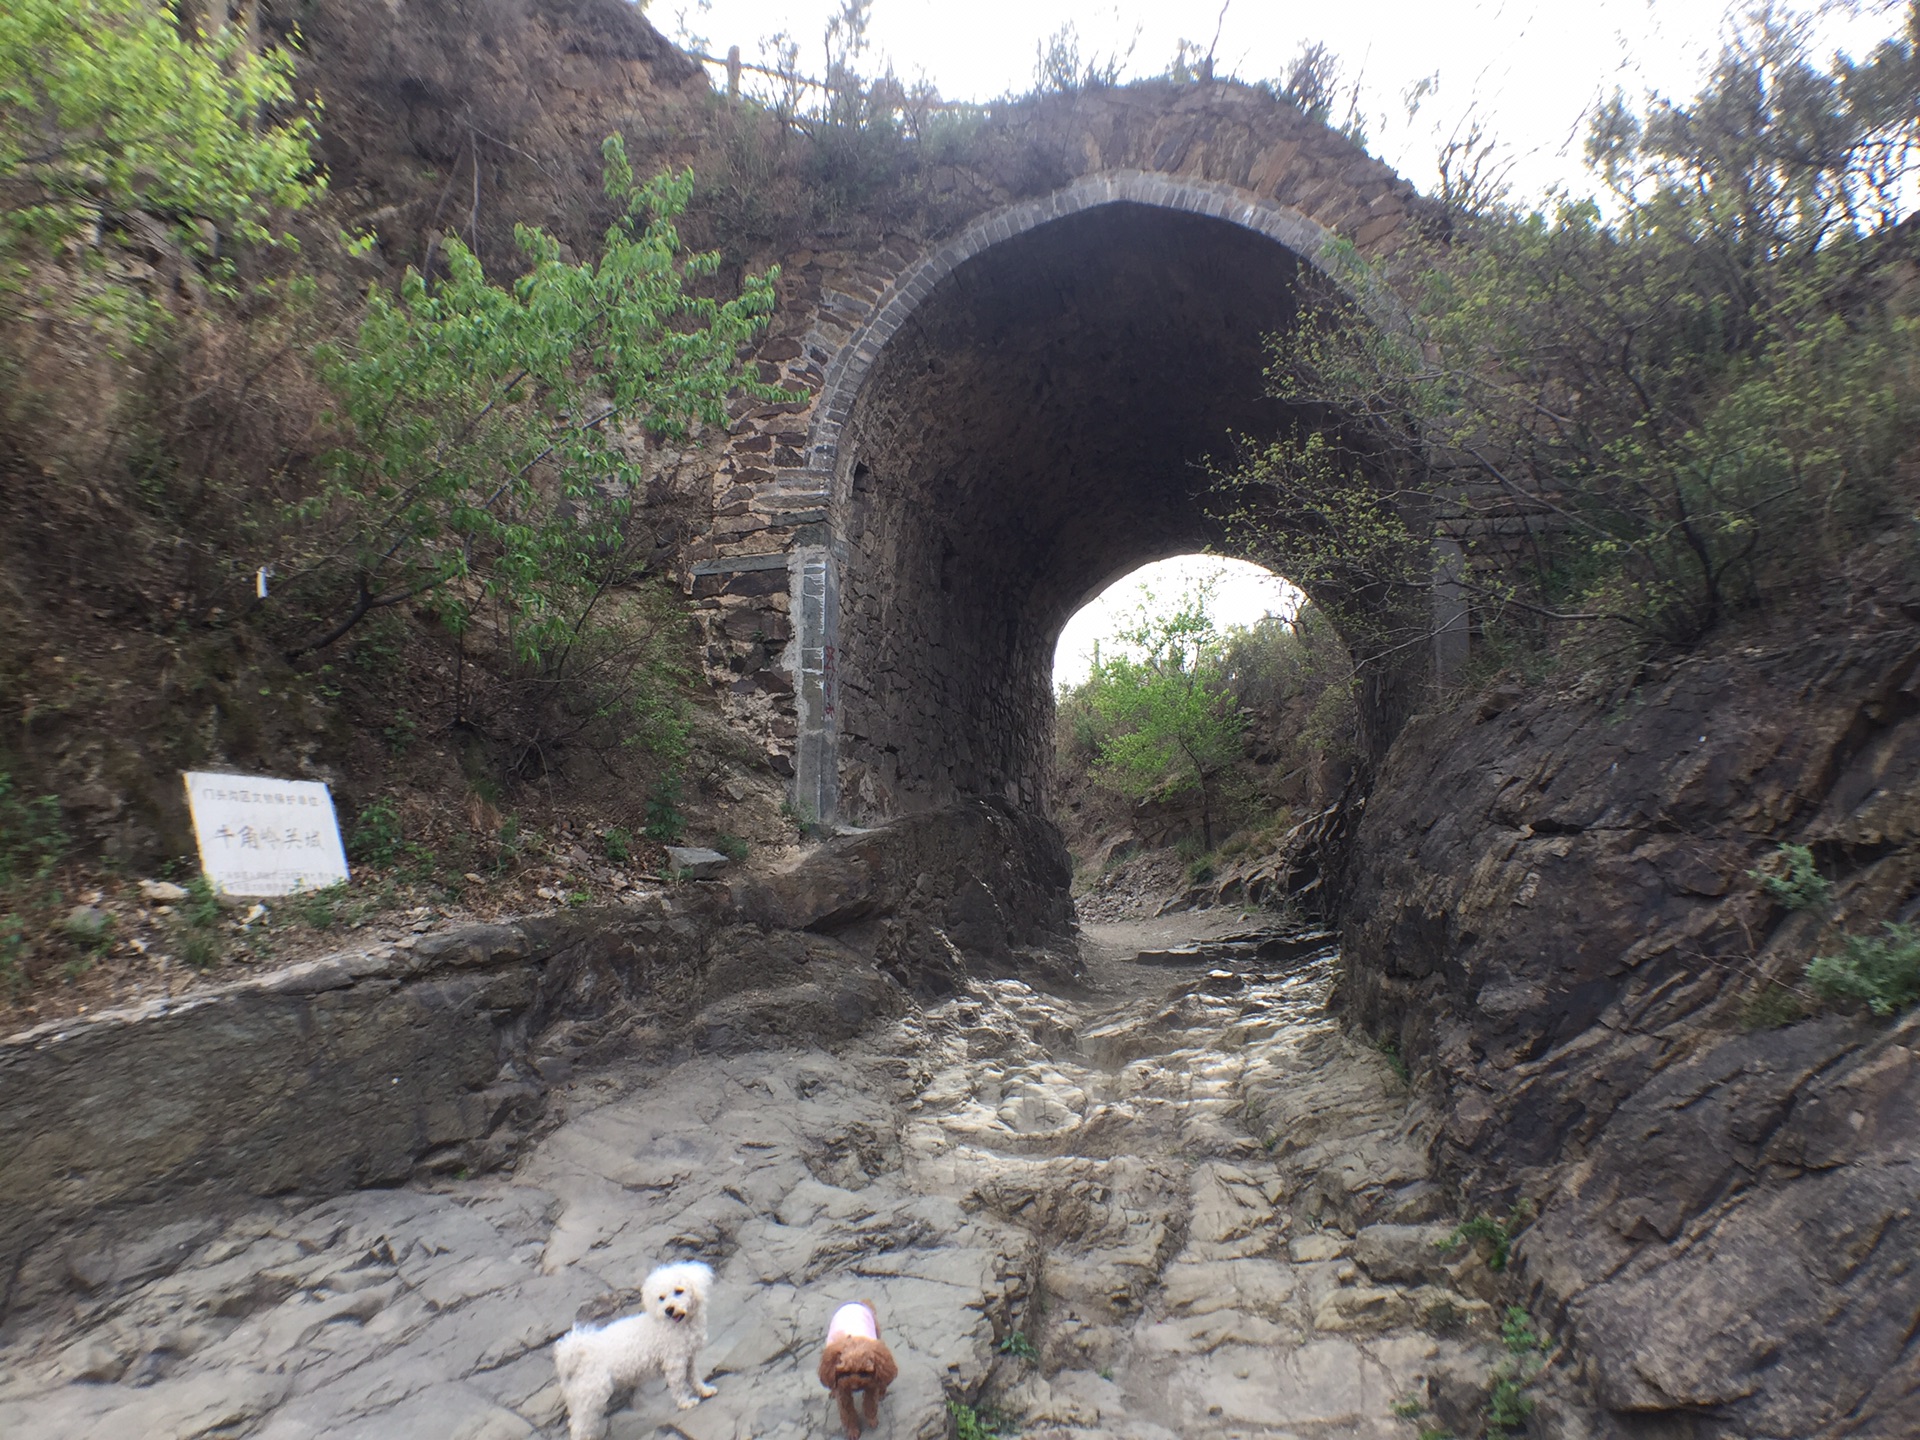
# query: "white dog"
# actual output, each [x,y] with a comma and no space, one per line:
[596,1360]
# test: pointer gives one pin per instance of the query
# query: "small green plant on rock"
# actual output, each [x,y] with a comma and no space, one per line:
[972,1424]
[731,846]
[618,843]
[1508,1404]
[1518,1332]
[1797,883]
[1882,971]
[1019,1346]
[1390,1048]
[1498,1235]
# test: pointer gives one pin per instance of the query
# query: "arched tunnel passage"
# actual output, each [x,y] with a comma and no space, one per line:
[1033,430]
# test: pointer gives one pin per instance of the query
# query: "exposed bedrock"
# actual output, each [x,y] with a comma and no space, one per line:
[1181,1205]
[1552,912]
[375,1064]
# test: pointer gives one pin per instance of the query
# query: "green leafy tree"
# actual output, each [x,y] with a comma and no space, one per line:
[1167,719]
[493,431]
[1643,414]
[107,108]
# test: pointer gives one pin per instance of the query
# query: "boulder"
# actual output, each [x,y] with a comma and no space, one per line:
[692,862]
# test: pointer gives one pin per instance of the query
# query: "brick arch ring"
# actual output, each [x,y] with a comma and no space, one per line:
[847,373]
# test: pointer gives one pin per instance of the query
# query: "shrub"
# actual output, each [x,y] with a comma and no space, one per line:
[1497,1235]
[376,834]
[510,844]
[1799,885]
[1389,1048]
[1165,718]
[618,843]
[731,846]
[486,449]
[108,108]
[1508,1404]
[31,837]
[1883,971]
[665,823]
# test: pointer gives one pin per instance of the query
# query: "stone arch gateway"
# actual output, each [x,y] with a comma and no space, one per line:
[1001,422]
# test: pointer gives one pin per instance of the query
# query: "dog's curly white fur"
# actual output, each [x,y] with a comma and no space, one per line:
[596,1360]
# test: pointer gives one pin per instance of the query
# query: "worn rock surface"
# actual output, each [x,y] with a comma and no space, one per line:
[1554,916]
[1183,1204]
[437,1052]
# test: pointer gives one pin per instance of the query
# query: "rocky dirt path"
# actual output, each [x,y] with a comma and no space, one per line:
[1180,1203]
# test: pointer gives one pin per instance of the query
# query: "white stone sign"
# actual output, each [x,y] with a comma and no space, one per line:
[265,837]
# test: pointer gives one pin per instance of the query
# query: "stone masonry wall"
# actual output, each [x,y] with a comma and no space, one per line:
[806,604]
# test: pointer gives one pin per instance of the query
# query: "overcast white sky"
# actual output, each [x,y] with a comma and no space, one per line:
[1531,68]
[1528,69]
[1242,593]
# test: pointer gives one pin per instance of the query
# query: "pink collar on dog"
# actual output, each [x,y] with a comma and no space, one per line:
[854,1319]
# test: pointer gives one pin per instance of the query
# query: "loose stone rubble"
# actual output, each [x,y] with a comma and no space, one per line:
[1181,1203]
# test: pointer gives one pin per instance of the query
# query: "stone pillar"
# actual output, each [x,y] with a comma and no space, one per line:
[815,581]
[1450,616]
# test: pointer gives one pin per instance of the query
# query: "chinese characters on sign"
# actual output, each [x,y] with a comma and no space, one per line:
[265,837]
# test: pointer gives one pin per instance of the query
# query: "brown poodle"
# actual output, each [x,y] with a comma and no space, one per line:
[857,1359]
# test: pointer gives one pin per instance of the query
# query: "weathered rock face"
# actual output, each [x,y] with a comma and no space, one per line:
[1552,912]
[370,1066]
[982,879]
[1147,1214]
[354,1070]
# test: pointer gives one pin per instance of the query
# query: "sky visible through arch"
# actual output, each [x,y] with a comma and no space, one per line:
[1243,593]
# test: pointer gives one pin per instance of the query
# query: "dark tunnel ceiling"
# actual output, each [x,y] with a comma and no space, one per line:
[1047,405]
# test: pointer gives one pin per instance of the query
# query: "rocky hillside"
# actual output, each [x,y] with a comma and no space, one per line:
[1560,914]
